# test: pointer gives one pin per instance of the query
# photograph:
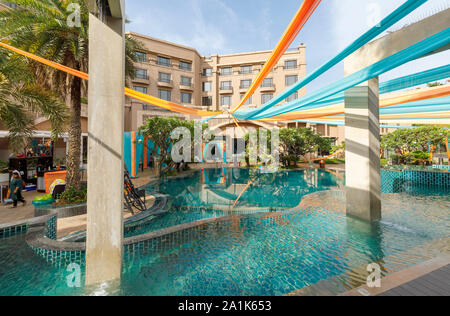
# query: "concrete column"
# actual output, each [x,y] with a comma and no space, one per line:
[362,115]
[362,134]
[105,168]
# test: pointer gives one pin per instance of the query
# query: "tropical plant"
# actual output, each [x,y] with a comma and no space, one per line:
[263,154]
[404,141]
[21,100]
[420,157]
[159,130]
[41,27]
[73,196]
[298,142]
[4,165]
[434,84]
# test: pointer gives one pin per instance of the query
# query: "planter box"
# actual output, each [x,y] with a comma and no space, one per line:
[62,211]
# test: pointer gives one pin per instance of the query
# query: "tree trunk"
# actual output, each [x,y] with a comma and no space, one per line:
[74,153]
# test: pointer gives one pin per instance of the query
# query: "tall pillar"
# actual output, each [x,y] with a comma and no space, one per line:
[362,115]
[105,155]
[362,158]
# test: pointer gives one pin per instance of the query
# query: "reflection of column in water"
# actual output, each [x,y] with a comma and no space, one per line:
[316,177]
[371,236]
[236,228]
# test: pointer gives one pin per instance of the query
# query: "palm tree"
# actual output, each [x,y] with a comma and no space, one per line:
[21,99]
[41,27]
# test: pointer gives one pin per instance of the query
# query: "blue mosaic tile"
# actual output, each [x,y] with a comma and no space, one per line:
[13,231]
[394,181]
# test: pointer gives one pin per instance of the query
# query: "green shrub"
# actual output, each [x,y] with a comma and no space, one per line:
[4,166]
[73,196]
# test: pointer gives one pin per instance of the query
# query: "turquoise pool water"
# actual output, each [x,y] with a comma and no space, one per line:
[212,193]
[273,255]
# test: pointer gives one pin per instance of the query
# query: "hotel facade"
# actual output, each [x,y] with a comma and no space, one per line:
[181,75]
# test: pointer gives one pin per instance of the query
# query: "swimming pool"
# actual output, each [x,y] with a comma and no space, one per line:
[213,193]
[271,253]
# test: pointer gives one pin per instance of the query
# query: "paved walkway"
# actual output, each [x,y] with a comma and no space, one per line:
[429,278]
[436,283]
[8,215]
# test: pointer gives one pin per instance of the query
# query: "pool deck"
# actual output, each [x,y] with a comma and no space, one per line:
[431,278]
[8,215]
[67,225]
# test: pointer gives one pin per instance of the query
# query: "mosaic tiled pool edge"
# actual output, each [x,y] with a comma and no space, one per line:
[357,277]
[47,222]
[394,181]
[61,254]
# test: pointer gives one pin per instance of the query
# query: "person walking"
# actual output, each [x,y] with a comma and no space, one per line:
[16,187]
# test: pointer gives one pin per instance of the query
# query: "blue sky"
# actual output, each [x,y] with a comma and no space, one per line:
[232,26]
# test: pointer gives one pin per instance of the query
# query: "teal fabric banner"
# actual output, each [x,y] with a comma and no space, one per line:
[386,23]
[417,79]
[405,82]
[413,52]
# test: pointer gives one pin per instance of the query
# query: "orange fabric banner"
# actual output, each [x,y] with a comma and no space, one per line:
[303,14]
[338,109]
[128,92]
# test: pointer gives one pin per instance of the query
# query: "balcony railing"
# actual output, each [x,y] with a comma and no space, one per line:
[144,77]
[267,85]
[165,80]
[226,87]
[186,68]
[164,64]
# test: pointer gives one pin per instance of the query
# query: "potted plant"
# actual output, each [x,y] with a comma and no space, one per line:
[59,162]
[4,173]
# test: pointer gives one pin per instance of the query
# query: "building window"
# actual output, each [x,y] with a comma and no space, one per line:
[185,66]
[292,97]
[227,71]
[186,81]
[207,101]
[245,84]
[207,72]
[163,61]
[266,97]
[225,100]
[207,86]
[186,97]
[249,101]
[140,73]
[225,85]
[144,107]
[290,64]
[140,89]
[290,80]
[163,77]
[246,69]
[165,94]
[268,82]
[140,56]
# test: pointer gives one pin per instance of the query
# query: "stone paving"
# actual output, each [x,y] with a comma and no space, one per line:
[65,226]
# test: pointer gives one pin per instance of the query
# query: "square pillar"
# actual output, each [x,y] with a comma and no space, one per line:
[105,155]
[362,132]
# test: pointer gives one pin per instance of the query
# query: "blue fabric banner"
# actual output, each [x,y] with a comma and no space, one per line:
[386,23]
